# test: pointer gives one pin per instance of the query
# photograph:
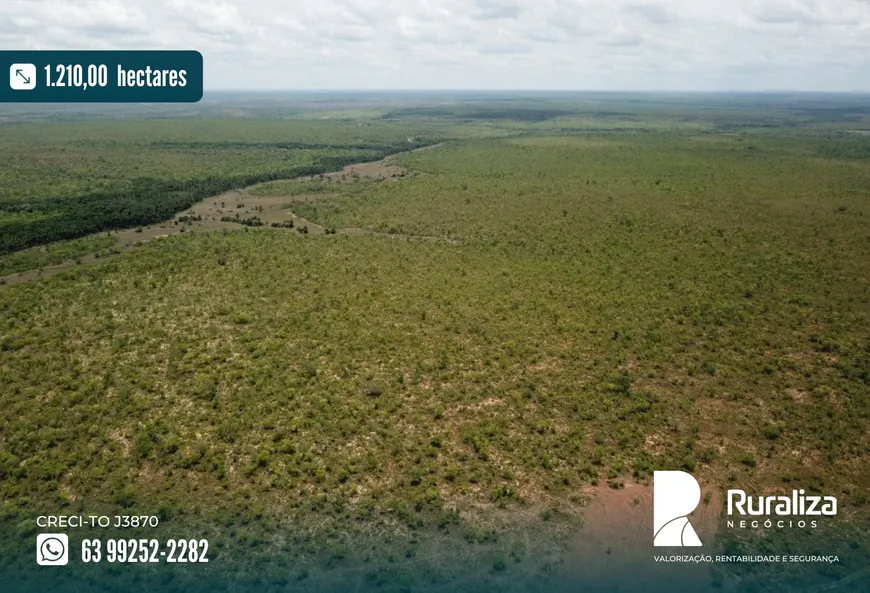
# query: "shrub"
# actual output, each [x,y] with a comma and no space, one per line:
[771,432]
[501,493]
[689,463]
[307,368]
[499,564]
[124,498]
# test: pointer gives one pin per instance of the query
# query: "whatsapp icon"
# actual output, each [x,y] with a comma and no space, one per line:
[52,549]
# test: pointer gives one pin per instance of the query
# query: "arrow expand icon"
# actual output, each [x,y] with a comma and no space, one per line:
[22,77]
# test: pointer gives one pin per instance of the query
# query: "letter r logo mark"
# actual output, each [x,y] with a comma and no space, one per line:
[675,496]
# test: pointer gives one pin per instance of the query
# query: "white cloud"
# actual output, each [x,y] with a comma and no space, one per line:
[654,13]
[594,44]
[487,10]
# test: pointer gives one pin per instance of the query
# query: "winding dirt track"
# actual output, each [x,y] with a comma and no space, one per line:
[270,209]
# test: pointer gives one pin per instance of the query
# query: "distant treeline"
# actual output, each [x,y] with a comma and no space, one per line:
[172,144]
[149,200]
[527,114]
[845,147]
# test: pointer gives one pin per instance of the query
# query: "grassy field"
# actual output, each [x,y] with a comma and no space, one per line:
[52,254]
[601,301]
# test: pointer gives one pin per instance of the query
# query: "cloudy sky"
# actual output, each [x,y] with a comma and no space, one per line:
[475,44]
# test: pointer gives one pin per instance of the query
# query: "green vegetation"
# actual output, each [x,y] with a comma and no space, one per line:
[591,305]
[53,254]
[64,180]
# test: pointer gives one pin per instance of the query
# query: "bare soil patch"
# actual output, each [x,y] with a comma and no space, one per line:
[614,551]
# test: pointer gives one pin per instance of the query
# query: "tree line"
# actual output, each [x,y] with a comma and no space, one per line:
[147,201]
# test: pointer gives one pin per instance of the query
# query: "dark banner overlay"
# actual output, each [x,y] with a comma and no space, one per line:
[100,76]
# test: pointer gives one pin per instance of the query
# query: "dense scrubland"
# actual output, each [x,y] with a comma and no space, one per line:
[608,300]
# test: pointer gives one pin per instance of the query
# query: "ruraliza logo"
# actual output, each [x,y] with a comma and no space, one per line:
[675,495]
